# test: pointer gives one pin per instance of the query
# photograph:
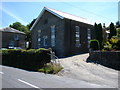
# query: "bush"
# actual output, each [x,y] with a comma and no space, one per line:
[107,47]
[32,59]
[94,45]
[51,68]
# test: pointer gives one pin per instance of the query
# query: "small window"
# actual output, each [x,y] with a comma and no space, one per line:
[89,37]
[39,40]
[89,34]
[39,33]
[77,36]
[45,40]
[16,37]
[11,44]
[53,36]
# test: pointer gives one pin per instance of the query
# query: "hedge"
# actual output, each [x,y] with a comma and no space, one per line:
[94,44]
[32,59]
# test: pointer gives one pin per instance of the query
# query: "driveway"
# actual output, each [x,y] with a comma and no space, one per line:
[76,67]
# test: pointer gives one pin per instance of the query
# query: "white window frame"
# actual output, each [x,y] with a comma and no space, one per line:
[77,36]
[53,36]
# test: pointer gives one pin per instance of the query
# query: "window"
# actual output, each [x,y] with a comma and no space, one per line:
[77,36]
[39,39]
[45,40]
[89,37]
[39,33]
[53,36]
[16,37]
[11,44]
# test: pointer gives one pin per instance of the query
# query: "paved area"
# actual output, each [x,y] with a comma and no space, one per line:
[76,67]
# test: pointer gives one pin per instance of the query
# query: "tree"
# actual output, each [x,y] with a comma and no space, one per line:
[118,24]
[22,28]
[98,33]
[100,36]
[16,25]
[30,24]
[112,30]
[118,32]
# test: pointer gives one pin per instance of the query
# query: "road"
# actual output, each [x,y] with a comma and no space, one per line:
[17,78]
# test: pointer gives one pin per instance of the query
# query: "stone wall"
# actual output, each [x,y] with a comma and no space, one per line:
[108,58]
[44,24]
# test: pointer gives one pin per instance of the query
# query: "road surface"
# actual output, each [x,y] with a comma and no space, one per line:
[17,78]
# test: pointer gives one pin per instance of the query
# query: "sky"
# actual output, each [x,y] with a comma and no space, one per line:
[25,12]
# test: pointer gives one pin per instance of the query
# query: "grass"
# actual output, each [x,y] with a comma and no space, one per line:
[51,68]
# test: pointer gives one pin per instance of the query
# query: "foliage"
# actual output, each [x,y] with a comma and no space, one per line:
[107,46]
[51,68]
[99,34]
[32,59]
[112,30]
[118,32]
[112,44]
[118,24]
[94,44]
[115,42]
[30,24]
[22,28]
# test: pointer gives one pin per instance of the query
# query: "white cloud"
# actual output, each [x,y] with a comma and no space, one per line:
[13,15]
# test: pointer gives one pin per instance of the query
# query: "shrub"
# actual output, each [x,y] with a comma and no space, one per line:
[107,46]
[94,45]
[51,68]
[32,59]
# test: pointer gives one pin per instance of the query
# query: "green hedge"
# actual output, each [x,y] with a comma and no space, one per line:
[94,44]
[32,59]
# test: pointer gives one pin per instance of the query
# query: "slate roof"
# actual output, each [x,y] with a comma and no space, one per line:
[11,30]
[62,15]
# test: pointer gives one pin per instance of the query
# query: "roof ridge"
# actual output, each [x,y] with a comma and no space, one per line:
[66,13]
[6,29]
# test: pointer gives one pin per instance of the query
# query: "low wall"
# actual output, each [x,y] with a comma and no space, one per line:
[107,58]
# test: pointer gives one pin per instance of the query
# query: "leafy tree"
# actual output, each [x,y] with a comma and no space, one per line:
[16,25]
[22,28]
[112,30]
